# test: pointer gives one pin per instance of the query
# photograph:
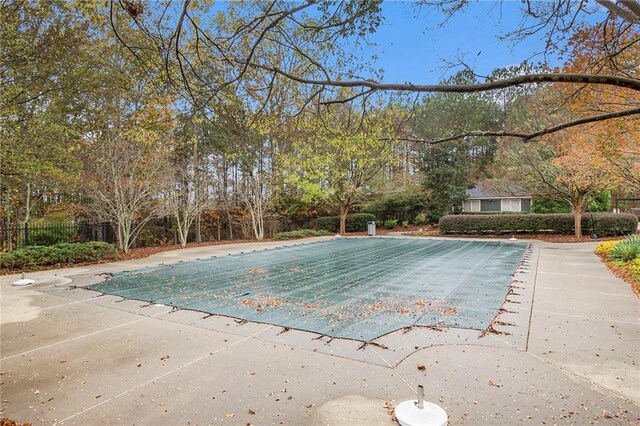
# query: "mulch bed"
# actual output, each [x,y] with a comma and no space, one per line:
[623,274]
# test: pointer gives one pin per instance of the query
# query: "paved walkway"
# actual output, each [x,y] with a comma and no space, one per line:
[71,356]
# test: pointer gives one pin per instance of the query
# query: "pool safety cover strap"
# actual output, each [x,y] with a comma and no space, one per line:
[358,288]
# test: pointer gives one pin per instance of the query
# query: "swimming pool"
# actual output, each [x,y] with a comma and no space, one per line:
[357,288]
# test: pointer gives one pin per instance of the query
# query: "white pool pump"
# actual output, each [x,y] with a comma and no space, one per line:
[420,412]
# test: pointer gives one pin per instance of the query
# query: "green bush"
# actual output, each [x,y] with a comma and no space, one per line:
[402,205]
[627,249]
[355,222]
[600,203]
[301,233]
[420,219]
[390,223]
[50,234]
[496,212]
[54,228]
[603,224]
[405,223]
[65,253]
[548,205]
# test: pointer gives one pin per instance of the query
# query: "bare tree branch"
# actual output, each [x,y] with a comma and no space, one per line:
[610,80]
[629,14]
[528,136]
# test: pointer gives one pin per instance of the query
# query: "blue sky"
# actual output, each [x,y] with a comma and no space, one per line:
[415,48]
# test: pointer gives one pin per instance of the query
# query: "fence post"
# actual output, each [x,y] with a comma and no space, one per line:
[26,233]
[104,232]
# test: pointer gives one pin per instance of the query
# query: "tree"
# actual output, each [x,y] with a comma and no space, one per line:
[188,196]
[567,168]
[616,139]
[339,159]
[40,102]
[125,178]
[450,168]
[314,32]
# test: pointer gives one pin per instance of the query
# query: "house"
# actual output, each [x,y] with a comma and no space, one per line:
[505,196]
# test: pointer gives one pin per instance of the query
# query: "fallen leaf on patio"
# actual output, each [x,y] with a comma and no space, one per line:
[230,415]
[97,396]
[422,367]
[310,405]
[492,383]
[164,358]
[251,411]
[389,407]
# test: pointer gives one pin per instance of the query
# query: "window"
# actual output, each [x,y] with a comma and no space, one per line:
[489,205]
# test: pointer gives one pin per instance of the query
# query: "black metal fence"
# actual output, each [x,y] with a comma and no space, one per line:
[46,235]
[160,231]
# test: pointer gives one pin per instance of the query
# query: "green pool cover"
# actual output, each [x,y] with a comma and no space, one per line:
[357,288]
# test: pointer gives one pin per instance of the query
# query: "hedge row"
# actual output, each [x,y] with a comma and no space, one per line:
[301,233]
[494,212]
[603,224]
[355,222]
[65,253]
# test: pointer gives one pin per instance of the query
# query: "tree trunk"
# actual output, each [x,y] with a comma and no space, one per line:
[198,233]
[577,216]
[577,221]
[344,210]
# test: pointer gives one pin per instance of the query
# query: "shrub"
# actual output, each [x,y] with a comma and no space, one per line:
[496,212]
[600,203]
[402,205]
[405,223]
[603,224]
[634,267]
[301,233]
[390,223]
[627,249]
[604,248]
[355,222]
[548,205]
[420,219]
[50,234]
[34,256]
[54,228]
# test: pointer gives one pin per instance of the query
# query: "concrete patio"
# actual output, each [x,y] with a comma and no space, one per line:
[565,351]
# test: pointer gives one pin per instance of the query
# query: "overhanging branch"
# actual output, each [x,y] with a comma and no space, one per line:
[528,136]
[576,78]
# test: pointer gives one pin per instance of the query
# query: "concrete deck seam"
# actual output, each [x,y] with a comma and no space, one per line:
[66,304]
[588,318]
[395,371]
[570,373]
[584,379]
[84,335]
[533,296]
[230,345]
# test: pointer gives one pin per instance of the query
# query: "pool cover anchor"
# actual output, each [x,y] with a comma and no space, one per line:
[23,281]
[420,412]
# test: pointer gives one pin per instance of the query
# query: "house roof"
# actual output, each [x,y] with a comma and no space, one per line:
[497,190]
